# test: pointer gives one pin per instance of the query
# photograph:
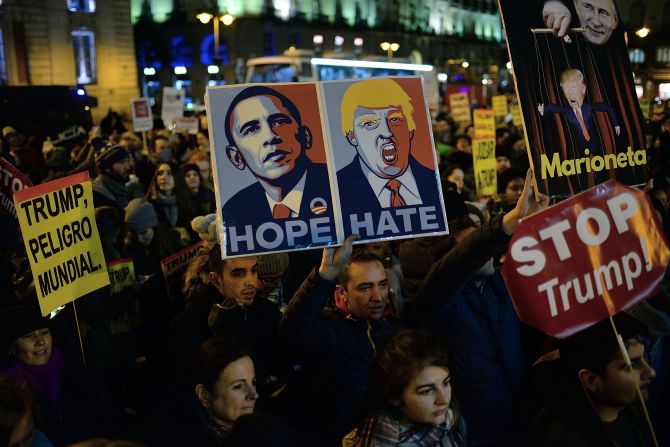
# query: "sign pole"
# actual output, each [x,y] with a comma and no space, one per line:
[144,141]
[81,343]
[624,352]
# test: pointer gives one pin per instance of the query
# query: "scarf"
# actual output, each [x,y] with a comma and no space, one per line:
[385,429]
[45,379]
[169,206]
[113,190]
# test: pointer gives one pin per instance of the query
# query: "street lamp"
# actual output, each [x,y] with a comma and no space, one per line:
[390,48]
[225,18]
[643,32]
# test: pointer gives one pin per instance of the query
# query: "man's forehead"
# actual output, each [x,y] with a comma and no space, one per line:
[257,107]
[246,262]
[602,4]
[379,111]
[367,271]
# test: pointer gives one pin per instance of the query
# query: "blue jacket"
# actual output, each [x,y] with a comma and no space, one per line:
[482,332]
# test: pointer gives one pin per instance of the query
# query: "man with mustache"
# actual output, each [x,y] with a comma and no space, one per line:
[579,114]
[590,390]
[265,133]
[377,120]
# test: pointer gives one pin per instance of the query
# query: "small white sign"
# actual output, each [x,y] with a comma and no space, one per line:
[173,105]
[143,120]
[186,124]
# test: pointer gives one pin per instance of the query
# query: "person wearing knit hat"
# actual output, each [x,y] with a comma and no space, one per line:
[17,322]
[109,188]
[141,218]
[194,181]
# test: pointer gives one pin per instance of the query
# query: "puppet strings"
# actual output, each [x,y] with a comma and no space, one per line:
[540,70]
[563,119]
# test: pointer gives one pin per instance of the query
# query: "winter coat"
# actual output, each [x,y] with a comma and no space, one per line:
[481,329]
[335,352]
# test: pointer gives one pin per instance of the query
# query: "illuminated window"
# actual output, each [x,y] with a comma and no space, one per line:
[636,55]
[663,55]
[83,42]
[81,5]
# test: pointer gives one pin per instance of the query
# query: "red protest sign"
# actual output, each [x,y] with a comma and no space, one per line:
[11,181]
[585,259]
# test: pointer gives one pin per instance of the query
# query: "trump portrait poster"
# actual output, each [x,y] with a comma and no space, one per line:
[575,86]
[270,171]
[381,149]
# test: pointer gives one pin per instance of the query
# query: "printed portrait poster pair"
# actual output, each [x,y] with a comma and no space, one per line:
[304,165]
[582,118]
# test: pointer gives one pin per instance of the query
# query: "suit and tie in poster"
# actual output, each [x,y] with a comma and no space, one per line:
[270,168]
[382,151]
[583,122]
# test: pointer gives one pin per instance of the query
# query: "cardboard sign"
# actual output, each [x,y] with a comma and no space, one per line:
[186,124]
[172,106]
[143,119]
[485,123]
[371,170]
[645,106]
[459,103]
[499,104]
[121,274]
[61,237]
[173,269]
[11,181]
[585,259]
[380,139]
[577,96]
[484,165]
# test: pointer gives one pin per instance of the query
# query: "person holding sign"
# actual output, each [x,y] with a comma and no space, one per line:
[590,391]
[337,346]
[265,134]
[377,120]
[464,299]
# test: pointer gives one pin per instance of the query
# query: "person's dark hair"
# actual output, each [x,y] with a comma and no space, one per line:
[507,176]
[357,256]
[215,262]
[156,138]
[462,136]
[16,400]
[595,347]
[186,202]
[449,168]
[398,361]
[503,151]
[162,245]
[212,357]
[258,90]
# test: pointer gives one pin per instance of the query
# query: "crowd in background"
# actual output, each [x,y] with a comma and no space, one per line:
[406,342]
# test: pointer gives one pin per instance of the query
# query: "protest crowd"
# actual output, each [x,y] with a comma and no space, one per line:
[411,342]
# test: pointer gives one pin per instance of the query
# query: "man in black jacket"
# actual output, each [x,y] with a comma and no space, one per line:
[336,347]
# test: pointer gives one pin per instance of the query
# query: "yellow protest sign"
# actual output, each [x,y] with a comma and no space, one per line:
[460,107]
[61,237]
[484,165]
[516,115]
[121,274]
[499,104]
[485,123]
[645,105]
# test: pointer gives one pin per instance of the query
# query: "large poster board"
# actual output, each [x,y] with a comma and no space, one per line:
[582,119]
[289,178]
[381,149]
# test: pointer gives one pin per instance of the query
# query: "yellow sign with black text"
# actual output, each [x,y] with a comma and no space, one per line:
[61,238]
[499,104]
[485,124]
[460,107]
[484,165]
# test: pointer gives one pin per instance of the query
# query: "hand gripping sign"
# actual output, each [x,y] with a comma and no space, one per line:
[585,259]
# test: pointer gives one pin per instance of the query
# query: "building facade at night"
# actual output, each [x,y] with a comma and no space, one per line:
[649,51]
[88,43]
[175,49]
